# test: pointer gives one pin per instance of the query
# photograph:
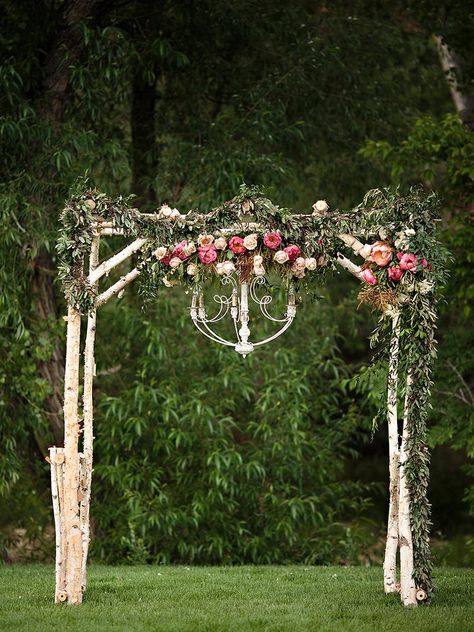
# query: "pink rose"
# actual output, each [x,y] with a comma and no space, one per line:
[292,251]
[207,254]
[425,264]
[272,240]
[395,273]
[166,259]
[236,244]
[180,250]
[407,261]
[369,277]
[381,253]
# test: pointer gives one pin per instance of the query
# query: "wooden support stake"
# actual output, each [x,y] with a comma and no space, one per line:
[88,421]
[391,546]
[407,583]
[73,548]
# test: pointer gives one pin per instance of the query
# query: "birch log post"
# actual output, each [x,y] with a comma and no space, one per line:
[56,459]
[73,544]
[407,583]
[391,545]
[88,420]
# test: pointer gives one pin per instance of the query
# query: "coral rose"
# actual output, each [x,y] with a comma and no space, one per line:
[272,240]
[236,244]
[207,254]
[292,251]
[395,273]
[381,253]
[369,277]
[407,261]
[205,240]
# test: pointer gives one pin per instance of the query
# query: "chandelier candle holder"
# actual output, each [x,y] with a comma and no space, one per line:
[237,303]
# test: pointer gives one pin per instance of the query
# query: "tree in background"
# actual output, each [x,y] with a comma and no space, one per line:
[182,103]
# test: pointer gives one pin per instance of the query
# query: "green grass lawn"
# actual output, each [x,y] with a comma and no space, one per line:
[239,598]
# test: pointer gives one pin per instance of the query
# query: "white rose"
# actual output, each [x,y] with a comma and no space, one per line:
[228,267]
[257,260]
[321,206]
[161,252]
[259,270]
[221,243]
[192,269]
[250,241]
[281,256]
[175,262]
[310,263]
[300,262]
[205,240]
[175,214]
[165,211]
[190,248]
[220,267]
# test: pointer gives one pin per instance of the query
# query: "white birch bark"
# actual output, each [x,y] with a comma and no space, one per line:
[56,459]
[347,264]
[117,287]
[106,266]
[451,65]
[73,546]
[88,421]
[407,583]
[391,545]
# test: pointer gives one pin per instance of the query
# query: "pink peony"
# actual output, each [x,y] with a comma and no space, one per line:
[381,253]
[272,240]
[369,277]
[407,261]
[236,244]
[166,260]
[180,250]
[292,251]
[395,273]
[207,254]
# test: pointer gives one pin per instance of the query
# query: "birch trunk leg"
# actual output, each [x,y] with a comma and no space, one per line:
[407,583]
[61,580]
[391,546]
[73,559]
[56,458]
[88,411]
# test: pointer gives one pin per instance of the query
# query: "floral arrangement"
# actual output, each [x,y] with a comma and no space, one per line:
[247,254]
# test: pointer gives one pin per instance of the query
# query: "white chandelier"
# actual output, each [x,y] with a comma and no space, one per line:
[238,305]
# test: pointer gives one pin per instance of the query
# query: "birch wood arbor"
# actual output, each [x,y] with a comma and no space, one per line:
[399,264]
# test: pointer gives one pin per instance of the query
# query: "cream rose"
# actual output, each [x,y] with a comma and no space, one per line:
[175,262]
[165,211]
[259,270]
[175,214]
[321,206]
[205,240]
[220,243]
[250,241]
[161,252]
[192,269]
[228,267]
[220,267]
[310,263]
[300,262]
[257,260]
[190,248]
[281,256]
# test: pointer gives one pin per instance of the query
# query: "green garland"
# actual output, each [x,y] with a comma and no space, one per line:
[384,215]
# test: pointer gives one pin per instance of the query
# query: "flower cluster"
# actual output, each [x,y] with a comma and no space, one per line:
[225,256]
[394,268]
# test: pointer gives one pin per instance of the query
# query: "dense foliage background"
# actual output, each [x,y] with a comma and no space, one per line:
[201,456]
